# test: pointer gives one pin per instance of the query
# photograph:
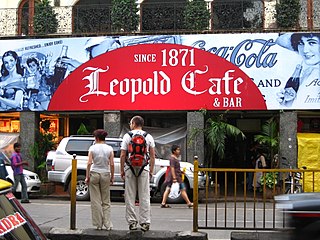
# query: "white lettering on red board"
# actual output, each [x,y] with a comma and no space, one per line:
[11,222]
[158,84]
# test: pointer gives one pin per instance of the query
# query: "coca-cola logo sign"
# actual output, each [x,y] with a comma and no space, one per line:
[157,77]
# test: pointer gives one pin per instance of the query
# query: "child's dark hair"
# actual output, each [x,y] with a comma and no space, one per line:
[100,134]
[174,148]
[32,59]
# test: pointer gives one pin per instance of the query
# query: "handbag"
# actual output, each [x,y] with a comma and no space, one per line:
[174,191]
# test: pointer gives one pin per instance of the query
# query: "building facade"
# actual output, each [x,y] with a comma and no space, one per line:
[15,24]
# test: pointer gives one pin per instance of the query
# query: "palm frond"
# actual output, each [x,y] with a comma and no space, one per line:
[217,131]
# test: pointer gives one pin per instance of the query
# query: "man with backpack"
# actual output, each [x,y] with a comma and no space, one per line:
[137,164]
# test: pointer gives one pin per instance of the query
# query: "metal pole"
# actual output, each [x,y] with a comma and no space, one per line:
[73,193]
[195,194]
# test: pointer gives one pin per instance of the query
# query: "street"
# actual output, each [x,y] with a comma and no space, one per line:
[52,212]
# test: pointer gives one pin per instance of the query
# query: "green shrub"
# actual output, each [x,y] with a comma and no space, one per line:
[44,20]
[287,13]
[124,15]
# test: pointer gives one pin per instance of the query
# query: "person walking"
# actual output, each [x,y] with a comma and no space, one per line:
[17,166]
[137,178]
[175,176]
[99,177]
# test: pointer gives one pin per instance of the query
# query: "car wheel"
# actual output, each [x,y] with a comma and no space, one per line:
[82,189]
[178,199]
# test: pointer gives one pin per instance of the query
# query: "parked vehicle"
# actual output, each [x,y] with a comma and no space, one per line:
[32,179]
[16,223]
[303,211]
[59,167]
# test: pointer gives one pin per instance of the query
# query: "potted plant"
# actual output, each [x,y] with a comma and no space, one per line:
[269,182]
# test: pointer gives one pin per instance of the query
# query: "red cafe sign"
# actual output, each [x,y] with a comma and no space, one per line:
[157,77]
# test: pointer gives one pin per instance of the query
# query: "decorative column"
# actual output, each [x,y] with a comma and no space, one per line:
[29,126]
[288,138]
[112,123]
[269,14]
[196,147]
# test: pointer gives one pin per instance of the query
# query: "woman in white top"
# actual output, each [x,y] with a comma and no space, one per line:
[99,177]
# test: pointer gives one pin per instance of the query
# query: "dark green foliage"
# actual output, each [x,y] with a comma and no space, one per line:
[44,142]
[44,20]
[287,13]
[197,15]
[82,130]
[269,137]
[124,15]
[216,132]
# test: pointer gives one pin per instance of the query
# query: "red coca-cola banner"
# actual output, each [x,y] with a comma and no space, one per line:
[157,77]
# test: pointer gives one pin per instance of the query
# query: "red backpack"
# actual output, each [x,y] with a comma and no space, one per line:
[138,156]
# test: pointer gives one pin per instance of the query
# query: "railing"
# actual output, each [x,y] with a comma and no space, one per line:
[166,16]
[228,204]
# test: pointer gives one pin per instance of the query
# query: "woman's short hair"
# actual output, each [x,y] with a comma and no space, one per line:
[296,38]
[100,134]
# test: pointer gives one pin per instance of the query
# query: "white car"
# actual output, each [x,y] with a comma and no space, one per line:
[59,167]
[32,179]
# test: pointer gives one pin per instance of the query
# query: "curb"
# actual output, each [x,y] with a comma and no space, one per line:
[79,234]
[278,235]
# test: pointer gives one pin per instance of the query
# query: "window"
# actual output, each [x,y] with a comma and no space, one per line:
[78,146]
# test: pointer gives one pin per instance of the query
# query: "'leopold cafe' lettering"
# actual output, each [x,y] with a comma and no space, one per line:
[158,84]
[240,54]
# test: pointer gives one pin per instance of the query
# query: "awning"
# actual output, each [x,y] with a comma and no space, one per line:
[8,138]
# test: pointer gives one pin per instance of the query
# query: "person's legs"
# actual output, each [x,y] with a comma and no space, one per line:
[130,196]
[165,197]
[95,199]
[249,181]
[184,194]
[24,189]
[105,198]
[16,182]
[144,200]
